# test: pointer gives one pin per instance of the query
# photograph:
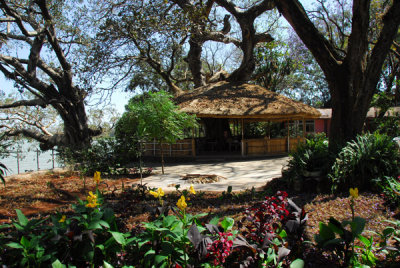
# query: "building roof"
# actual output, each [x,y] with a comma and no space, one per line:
[326,113]
[230,100]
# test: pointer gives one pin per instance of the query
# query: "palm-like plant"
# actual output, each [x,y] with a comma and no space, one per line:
[3,172]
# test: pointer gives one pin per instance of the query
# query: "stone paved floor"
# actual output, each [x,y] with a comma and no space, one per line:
[241,175]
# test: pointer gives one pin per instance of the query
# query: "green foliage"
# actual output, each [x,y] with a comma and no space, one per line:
[335,237]
[390,187]
[389,125]
[103,154]
[165,241]
[155,116]
[3,172]
[89,236]
[364,162]
[274,65]
[311,155]
[390,233]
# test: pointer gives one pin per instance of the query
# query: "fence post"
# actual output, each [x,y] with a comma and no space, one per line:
[52,157]
[18,161]
[37,157]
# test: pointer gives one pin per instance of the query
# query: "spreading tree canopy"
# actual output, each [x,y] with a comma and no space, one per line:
[39,44]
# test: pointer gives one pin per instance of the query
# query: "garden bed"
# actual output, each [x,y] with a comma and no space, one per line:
[46,193]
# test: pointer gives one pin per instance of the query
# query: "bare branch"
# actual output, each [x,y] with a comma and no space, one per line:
[17,18]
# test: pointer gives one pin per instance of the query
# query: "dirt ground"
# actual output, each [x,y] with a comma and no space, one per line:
[46,191]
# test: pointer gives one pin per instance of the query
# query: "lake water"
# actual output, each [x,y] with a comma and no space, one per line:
[28,159]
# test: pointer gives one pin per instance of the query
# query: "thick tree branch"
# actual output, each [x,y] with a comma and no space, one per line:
[51,36]
[20,71]
[219,37]
[358,40]
[391,22]
[34,102]
[34,55]
[36,135]
[322,50]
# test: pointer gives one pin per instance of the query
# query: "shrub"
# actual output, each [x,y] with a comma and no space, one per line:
[312,155]
[90,236]
[3,172]
[364,162]
[391,189]
[102,154]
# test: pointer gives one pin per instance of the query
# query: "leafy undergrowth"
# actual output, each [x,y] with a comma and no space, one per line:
[48,192]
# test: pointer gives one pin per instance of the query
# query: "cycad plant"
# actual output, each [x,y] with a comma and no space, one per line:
[3,172]
[364,162]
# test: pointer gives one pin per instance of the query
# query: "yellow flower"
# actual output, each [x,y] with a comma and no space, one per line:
[191,189]
[354,192]
[160,192]
[157,194]
[63,218]
[92,200]
[181,204]
[92,205]
[96,177]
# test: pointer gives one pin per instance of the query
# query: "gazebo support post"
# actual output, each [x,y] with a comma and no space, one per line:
[288,136]
[243,142]
[193,144]
[304,129]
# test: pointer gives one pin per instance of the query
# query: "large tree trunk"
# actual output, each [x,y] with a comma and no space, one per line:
[352,77]
[194,61]
[348,115]
[247,66]
[77,133]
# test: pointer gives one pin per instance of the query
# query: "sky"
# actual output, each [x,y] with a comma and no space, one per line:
[119,99]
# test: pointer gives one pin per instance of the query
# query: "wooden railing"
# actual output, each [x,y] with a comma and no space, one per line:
[184,147]
[264,146]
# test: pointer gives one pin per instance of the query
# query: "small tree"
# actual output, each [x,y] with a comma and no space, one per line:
[157,117]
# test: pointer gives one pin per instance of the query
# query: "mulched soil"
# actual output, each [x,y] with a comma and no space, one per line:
[45,193]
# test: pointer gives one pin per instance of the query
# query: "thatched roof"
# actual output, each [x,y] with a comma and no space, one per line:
[228,100]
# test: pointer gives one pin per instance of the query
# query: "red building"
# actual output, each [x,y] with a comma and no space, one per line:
[323,123]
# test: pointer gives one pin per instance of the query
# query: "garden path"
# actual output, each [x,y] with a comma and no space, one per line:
[241,175]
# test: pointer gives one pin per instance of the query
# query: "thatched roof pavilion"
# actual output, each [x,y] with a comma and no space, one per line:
[224,108]
[227,100]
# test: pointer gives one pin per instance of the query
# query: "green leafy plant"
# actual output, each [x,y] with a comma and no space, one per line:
[336,237]
[3,172]
[312,155]
[103,154]
[165,242]
[390,249]
[89,236]
[343,245]
[391,189]
[364,162]
[155,117]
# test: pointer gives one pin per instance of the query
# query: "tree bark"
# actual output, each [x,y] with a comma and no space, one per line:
[194,61]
